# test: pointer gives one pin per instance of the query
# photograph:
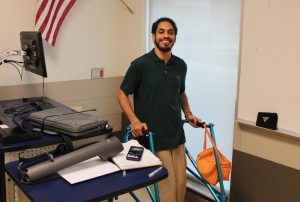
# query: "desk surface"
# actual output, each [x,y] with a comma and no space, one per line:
[100,188]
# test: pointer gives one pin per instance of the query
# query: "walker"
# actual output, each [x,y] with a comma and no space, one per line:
[219,196]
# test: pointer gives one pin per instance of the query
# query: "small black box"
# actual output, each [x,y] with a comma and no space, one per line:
[267,120]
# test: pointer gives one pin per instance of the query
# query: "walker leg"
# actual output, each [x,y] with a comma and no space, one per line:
[150,193]
[134,196]
[153,198]
[217,195]
[223,195]
[152,150]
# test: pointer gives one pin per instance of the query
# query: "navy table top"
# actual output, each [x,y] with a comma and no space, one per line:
[99,188]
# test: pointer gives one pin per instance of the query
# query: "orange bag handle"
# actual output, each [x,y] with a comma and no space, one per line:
[210,138]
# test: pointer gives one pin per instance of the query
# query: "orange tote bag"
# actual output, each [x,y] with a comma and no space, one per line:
[206,162]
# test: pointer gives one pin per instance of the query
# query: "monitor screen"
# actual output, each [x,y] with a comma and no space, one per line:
[34,59]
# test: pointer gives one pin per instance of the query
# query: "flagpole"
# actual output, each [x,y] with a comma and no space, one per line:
[128,8]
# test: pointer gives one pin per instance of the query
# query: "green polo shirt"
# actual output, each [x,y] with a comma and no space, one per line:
[156,89]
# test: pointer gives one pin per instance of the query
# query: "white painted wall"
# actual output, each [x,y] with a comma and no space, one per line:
[269,67]
[95,33]
[269,72]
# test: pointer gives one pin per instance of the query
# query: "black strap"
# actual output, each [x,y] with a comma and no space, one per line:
[68,141]
[60,149]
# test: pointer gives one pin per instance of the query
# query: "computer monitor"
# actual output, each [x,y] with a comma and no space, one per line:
[34,59]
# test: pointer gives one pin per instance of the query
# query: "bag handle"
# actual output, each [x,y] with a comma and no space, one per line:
[207,133]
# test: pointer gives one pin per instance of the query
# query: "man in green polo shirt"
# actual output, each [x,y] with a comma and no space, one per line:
[157,82]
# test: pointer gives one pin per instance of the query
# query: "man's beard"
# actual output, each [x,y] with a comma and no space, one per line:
[163,48]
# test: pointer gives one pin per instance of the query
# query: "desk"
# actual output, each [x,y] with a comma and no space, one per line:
[9,152]
[96,189]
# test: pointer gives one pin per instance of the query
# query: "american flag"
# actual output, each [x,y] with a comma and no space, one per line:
[50,16]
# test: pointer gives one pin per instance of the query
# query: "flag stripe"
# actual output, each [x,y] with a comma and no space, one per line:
[45,22]
[43,15]
[66,11]
[50,20]
[41,9]
[53,19]
[50,16]
[59,14]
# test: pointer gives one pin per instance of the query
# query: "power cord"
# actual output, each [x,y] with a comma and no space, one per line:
[14,63]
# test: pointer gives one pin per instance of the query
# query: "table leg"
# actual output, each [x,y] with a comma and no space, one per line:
[2,178]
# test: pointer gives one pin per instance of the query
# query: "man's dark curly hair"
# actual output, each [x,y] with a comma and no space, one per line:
[155,24]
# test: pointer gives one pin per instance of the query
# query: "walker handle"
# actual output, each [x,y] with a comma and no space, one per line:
[199,124]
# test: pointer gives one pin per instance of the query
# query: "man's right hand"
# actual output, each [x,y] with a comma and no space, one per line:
[138,128]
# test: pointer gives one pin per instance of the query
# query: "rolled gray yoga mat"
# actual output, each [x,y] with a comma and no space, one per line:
[105,149]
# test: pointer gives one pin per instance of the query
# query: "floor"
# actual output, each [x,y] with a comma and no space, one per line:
[143,196]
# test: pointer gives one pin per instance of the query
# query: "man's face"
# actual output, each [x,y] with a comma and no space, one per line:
[164,37]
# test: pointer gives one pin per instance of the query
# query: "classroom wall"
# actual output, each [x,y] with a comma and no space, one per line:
[280,148]
[266,164]
[270,63]
[95,33]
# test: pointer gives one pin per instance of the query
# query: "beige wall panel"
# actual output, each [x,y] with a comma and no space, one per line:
[83,89]
[268,145]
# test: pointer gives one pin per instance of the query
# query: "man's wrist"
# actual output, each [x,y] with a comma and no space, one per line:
[188,114]
[135,121]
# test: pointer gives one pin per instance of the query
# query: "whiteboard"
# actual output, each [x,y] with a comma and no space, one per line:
[269,77]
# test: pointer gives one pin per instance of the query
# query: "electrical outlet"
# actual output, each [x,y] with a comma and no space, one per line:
[97,73]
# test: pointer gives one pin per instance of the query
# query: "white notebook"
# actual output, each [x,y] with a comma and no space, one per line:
[91,168]
[148,159]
